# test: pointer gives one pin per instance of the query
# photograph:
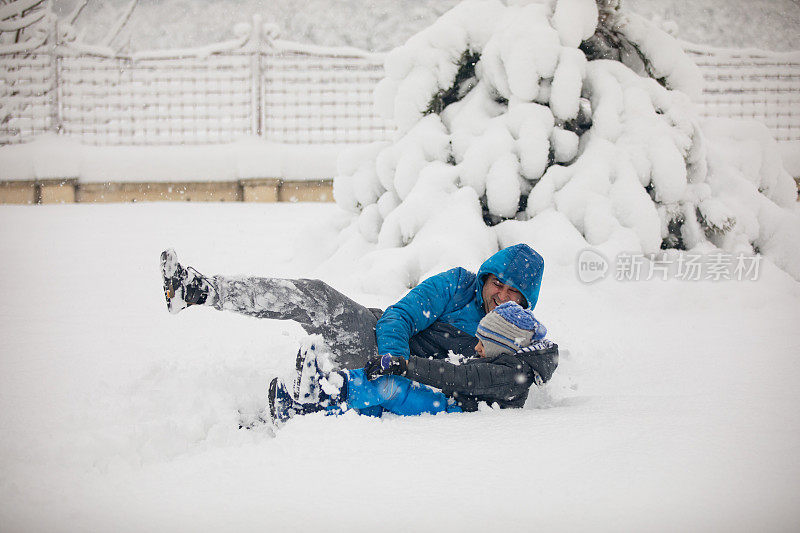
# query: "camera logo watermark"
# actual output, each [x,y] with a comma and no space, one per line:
[718,266]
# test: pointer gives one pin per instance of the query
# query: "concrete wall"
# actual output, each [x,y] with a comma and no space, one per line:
[159,192]
[251,190]
[306,191]
[17,192]
[58,191]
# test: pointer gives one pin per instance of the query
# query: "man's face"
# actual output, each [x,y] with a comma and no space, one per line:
[495,293]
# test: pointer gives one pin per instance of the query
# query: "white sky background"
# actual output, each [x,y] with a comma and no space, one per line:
[383,24]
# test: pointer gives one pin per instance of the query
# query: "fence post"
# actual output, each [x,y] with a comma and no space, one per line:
[267,32]
[55,91]
[256,126]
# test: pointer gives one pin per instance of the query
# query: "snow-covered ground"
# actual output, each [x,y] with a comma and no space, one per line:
[243,159]
[674,407]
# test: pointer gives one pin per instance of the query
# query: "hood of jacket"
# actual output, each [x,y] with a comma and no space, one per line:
[519,266]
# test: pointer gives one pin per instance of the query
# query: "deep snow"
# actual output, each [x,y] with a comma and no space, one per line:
[674,407]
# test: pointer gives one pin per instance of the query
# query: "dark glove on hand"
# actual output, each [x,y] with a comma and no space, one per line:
[384,365]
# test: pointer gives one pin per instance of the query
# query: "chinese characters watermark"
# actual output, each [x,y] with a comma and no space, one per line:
[684,266]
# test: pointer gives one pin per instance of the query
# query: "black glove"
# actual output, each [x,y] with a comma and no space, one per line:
[384,365]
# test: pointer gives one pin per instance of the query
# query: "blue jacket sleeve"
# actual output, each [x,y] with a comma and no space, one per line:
[416,311]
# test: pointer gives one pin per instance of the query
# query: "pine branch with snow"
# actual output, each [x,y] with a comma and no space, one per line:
[121,22]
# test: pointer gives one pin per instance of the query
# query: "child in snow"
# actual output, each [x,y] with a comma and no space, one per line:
[513,355]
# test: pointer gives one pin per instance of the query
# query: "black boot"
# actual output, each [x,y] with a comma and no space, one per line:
[282,406]
[183,286]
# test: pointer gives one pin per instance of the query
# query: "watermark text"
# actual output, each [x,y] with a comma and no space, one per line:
[593,266]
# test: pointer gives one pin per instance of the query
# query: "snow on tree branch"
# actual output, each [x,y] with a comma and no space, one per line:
[72,18]
[15,24]
[118,26]
[18,8]
[23,24]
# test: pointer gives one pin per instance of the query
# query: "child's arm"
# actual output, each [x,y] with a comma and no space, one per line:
[500,378]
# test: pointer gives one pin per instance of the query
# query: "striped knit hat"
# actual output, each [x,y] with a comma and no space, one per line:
[508,328]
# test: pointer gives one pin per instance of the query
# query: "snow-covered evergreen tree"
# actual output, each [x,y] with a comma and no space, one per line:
[565,122]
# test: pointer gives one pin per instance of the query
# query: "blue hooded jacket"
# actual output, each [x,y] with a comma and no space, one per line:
[442,313]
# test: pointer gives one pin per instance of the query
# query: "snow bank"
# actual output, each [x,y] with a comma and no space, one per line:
[515,112]
[753,192]
[790,155]
[51,156]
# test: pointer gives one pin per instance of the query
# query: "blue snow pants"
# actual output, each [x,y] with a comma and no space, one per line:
[394,394]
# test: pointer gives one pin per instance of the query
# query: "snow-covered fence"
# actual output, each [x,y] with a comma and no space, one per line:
[286,92]
[281,91]
[251,86]
[321,95]
[122,100]
[27,82]
[27,69]
[751,84]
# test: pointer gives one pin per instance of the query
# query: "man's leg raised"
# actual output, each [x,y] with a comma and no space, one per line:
[347,326]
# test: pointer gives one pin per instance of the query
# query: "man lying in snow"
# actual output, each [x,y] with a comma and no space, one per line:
[512,356]
[438,316]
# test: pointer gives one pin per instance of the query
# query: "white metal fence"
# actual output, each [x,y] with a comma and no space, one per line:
[316,97]
[751,84]
[27,87]
[286,92]
[108,100]
[255,86]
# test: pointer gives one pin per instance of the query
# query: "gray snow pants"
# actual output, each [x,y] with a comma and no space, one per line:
[347,327]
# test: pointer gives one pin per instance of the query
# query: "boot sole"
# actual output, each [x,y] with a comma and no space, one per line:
[298,364]
[169,263]
[303,363]
[169,267]
[271,395]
